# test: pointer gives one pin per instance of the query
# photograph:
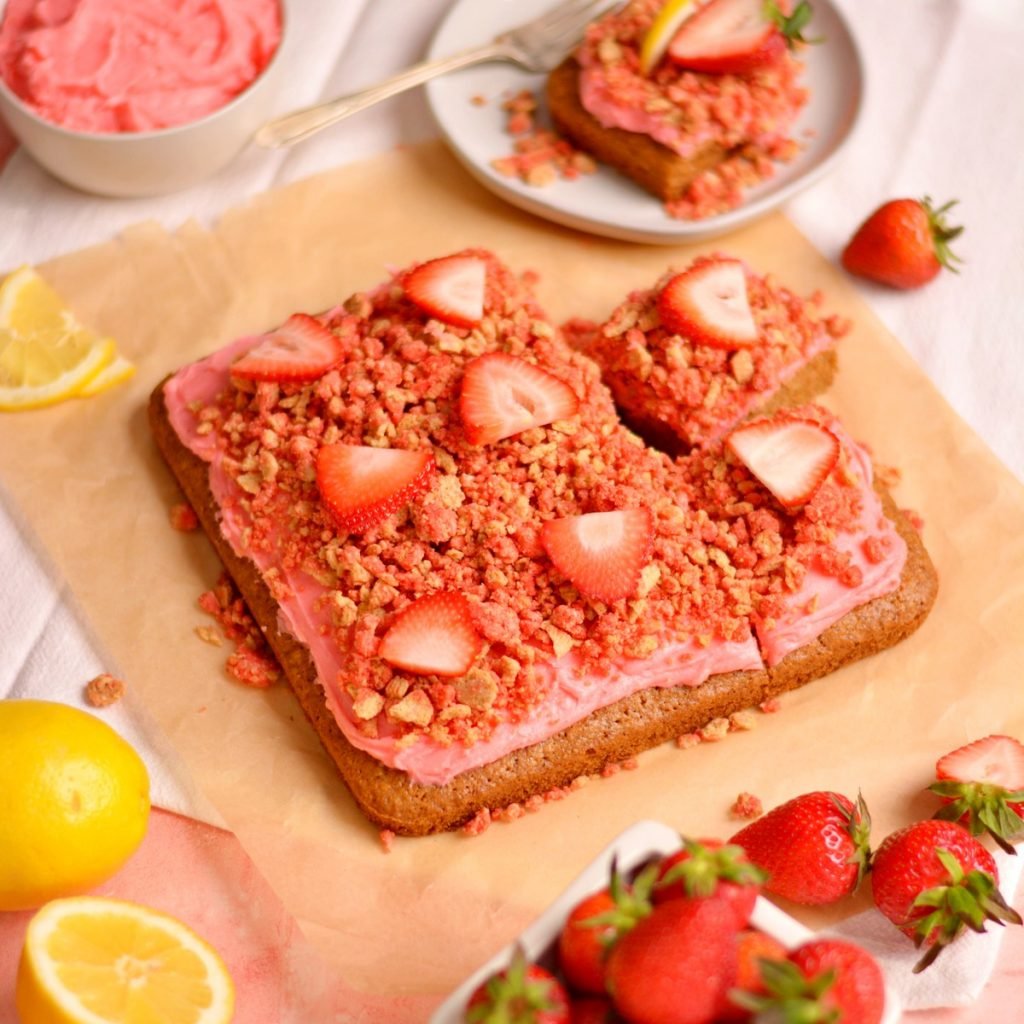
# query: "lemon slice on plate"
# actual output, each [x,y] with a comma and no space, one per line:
[46,355]
[662,29]
[92,960]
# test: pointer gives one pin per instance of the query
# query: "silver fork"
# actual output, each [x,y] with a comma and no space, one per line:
[539,45]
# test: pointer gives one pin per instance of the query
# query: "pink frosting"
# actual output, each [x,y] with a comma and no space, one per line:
[134,65]
[570,696]
[830,599]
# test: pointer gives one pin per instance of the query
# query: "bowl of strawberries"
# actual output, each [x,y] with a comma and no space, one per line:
[664,930]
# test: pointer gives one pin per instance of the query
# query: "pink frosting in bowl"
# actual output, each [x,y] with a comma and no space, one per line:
[118,66]
[114,125]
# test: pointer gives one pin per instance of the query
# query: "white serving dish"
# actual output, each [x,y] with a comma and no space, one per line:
[637,844]
[131,164]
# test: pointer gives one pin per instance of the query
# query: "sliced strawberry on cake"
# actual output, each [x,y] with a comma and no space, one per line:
[301,350]
[737,36]
[708,304]
[362,486]
[602,553]
[503,395]
[451,288]
[434,635]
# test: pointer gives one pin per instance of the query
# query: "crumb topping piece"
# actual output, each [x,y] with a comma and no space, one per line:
[104,690]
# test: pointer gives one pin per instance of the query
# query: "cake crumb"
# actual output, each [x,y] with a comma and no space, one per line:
[746,807]
[209,636]
[743,721]
[183,518]
[714,731]
[771,706]
[104,690]
[915,519]
[478,824]
[687,740]
[387,839]
[890,476]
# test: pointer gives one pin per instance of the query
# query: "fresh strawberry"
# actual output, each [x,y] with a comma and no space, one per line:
[737,36]
[752,947]
[602,553]
[434,635]
[503,395]
[675,966]
[300,350]
[362,486]
[814,847]
[933,879]
[451,288]
[709,305]
[903,244]
[523,993]
[596,924]
[823,980]
[792,457]
[592,1010]
[710,870]
[982,785]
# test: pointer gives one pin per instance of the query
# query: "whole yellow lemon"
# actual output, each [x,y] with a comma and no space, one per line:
[74,802]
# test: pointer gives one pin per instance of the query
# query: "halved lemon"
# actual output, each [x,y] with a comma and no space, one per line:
[46,355]
[92,960]
[662,29]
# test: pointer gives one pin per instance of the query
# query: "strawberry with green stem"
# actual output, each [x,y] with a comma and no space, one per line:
[815,848]
[933,880]
[824,981]
[597,922]
[903,244]
[523,993]
[982,786]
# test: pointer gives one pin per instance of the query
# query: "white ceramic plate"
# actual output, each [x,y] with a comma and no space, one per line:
[631,848]
[606,203]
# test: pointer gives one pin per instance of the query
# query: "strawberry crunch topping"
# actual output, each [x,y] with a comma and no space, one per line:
[664,373]
[558,537]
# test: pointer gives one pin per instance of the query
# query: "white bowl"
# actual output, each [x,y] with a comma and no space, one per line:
[632,848]
[129,164]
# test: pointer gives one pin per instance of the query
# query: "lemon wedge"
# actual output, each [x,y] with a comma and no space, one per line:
[92,960]
[660,34]
[117,371]
[46,355]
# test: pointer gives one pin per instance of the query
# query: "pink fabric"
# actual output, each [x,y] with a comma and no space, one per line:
[203,876]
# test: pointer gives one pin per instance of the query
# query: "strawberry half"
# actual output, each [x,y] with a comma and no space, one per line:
[790,456]
[737,36]
[602,553]
[362,486]
[982,785]
[503,395]
[708,304]
[451,288]
[434,636]
[300,350]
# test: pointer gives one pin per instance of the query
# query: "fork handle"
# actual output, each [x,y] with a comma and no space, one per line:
[301,124]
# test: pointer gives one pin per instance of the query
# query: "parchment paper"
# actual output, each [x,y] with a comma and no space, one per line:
[90,482]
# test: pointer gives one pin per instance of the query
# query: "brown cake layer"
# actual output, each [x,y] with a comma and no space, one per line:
[390,799]
[650,164]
